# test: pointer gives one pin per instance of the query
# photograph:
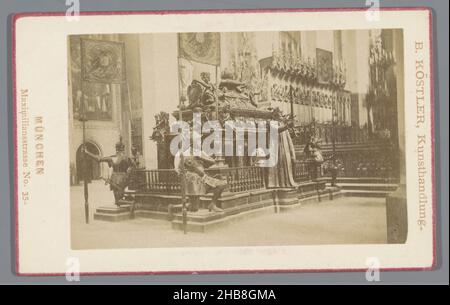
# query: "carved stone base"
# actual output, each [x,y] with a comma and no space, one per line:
[204,221]
[235,205]
[113,213]
[240,206]
[311,196]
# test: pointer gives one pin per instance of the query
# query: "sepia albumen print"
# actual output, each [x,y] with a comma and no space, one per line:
[335,95]
[224,142]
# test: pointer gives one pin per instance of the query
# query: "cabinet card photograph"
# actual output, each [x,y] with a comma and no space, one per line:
[228,141]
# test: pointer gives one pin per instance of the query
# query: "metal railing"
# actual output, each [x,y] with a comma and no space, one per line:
[167,181]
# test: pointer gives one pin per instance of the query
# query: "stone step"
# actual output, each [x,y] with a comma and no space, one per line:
[125,202]
[313,198]
[177,224]
[366,193]
[368,186]
[114,209]
[151,214]
[364,180]
[112,217]
[204,216]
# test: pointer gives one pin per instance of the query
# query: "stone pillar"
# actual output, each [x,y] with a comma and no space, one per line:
[159,75]
[396,205]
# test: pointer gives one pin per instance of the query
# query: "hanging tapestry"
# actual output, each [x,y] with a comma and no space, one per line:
[200,47]
[97,97]
[102,61]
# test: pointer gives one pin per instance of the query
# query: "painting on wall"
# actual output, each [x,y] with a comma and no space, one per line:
[324,60]
[95,97]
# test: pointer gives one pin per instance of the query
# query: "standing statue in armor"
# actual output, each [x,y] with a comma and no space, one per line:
[121,165]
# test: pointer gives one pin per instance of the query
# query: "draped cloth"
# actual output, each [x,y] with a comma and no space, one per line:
[282,175]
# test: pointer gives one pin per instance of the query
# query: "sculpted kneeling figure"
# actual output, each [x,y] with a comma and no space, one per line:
[198,182]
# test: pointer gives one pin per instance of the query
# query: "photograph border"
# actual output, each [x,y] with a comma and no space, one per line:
[17,16]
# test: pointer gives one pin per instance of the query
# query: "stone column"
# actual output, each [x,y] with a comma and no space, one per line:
[396,205]
[159,75]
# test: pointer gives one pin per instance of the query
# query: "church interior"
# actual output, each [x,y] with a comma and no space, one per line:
[339,94]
